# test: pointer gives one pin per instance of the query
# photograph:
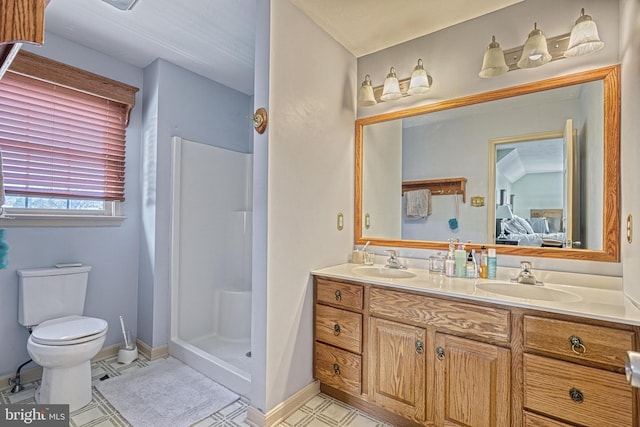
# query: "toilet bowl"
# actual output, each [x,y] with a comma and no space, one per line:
[62,340]
[64,348]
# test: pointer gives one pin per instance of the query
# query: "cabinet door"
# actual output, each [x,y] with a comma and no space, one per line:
[472,383]
[397,367]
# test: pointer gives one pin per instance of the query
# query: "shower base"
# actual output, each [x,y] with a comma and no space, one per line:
[231,351]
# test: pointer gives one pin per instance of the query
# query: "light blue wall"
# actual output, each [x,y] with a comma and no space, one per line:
[177,103]
[111,251]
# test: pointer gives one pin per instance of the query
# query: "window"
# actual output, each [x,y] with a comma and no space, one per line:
[62,136]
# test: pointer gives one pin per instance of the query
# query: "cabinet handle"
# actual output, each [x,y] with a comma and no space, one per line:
[576,345]
[336,369]
[338,295]
[440,353]
[576,395]
[336,329]
[419,347]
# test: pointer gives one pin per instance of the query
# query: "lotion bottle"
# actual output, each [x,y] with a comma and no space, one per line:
[461,261]
[492,264]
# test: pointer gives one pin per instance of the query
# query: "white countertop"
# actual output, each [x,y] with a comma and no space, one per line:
[594,302]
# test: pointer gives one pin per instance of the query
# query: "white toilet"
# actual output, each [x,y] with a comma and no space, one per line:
[51,301]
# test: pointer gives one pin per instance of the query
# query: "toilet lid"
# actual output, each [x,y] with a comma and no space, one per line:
[69,330]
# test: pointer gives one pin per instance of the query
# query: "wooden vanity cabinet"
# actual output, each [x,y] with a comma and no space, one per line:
[416,359]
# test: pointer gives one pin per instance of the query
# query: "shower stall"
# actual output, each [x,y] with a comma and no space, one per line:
[211,261]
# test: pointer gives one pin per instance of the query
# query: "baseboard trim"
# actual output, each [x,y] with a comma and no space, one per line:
[35,374]
[152,353]
[256,418]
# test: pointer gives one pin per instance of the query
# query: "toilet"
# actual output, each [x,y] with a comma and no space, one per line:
[62,341]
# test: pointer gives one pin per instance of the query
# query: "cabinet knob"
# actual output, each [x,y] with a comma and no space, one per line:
[336,369]
[576,395]
[576,345]
[336,329]
[419,347]
[440,353]
[338,295]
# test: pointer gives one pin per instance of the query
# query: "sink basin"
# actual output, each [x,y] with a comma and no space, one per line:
[384,273]
[540,293]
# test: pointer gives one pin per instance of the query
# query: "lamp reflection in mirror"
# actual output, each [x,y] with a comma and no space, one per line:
[493,63]
[584,37]
[504,212]
[366,97]
[419,80]
[535,51]
[391,89]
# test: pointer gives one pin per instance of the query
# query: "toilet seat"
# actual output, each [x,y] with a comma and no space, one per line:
[69,330]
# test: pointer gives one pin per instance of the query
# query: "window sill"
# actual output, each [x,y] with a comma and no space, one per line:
[43,220]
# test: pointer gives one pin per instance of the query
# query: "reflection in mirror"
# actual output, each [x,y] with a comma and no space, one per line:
[575,195]
[535,204]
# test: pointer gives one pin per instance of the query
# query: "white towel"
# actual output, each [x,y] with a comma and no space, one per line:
[417,203]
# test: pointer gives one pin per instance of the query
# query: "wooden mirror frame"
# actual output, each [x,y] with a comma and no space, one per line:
[610,251]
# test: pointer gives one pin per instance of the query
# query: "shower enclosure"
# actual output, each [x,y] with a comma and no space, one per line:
[211,262]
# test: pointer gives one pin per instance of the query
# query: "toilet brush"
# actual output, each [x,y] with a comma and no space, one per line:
[124,333]
[129,352]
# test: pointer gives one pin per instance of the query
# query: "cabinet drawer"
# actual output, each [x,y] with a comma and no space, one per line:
[339,327]
[338,368]
[337,293]
[535,420]
[575,393]
[468,320]
[598,344]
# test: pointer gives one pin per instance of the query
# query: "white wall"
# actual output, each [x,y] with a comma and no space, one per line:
[453,57]
[537,191]
[312,82]
[111,251]
[630,132]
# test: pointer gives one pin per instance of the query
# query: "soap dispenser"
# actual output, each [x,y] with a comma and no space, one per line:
[450,262]
[461,261]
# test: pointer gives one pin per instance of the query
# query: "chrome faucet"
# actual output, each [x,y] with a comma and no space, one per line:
[526,277]
[393,261]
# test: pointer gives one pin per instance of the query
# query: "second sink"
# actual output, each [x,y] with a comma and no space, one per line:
[540,293]
[383,272]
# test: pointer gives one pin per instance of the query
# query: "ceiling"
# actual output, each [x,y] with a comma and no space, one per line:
[215,38]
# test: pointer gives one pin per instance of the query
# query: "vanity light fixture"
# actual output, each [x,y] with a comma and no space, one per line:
[365,96]
[493,63]
[391,89]
[419,83]
[419,80]
[539,50]
[584,37]
[535,51]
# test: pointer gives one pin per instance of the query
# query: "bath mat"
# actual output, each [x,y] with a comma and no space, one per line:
[165,393]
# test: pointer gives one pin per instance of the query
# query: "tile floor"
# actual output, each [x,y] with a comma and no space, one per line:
[319,411]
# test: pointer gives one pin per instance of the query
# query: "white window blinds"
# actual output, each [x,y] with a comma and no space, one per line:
[62,131]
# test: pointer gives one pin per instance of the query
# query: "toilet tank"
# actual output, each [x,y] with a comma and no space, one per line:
[48,293]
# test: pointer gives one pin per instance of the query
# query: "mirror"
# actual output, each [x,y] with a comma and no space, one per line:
[455,148]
